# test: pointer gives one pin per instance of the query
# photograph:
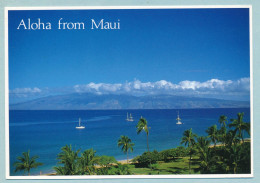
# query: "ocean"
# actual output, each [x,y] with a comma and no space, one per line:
[44,132]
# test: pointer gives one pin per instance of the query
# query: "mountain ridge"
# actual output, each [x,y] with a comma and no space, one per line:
[81,101]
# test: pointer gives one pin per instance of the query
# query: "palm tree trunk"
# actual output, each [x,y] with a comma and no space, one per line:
[224,142]
[189,164]
[147,144]
[242,137]
[127,156]
[235,169]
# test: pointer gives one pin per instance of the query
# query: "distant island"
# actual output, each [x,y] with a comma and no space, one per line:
[83,101]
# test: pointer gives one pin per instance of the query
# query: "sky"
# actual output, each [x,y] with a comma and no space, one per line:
[199,52]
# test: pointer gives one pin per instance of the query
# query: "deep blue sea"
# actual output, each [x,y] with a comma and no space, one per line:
[45,132]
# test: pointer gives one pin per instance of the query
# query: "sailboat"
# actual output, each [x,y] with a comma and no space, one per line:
[178,119]
[80,127]
[127,118]
[130,118]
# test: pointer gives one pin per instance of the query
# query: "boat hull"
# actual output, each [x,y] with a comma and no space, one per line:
[80,127]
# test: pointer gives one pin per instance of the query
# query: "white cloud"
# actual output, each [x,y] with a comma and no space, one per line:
[99,88]
[214,88]
[210,87]
[210,84]
[24,92]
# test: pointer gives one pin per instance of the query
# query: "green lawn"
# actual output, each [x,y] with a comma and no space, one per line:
[179,166]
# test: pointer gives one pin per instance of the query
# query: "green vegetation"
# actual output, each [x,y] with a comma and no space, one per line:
[69,158]
[88,161]
[230,153]
[126,144]
[26,163]
[178,166]
[204,153]
[106,165]
[240,126]
[122,169]
[143,126]
[213,134]
[147,159]
[173,154]
[189,139]
[223,151]
[86,164]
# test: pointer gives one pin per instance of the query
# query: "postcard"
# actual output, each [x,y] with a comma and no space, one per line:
[128,92]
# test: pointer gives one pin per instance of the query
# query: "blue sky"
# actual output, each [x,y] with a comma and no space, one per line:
[176,45]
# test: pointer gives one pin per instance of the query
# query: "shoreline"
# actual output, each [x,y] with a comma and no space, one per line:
[219,145]
[124,161]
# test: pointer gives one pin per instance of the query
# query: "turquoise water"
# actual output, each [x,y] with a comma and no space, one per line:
[45,132]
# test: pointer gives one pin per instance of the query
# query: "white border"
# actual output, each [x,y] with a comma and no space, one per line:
[7,159]
[123,176]
[251,87]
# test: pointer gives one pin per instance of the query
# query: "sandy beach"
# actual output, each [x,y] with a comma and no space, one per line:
[120,161]
[125,161]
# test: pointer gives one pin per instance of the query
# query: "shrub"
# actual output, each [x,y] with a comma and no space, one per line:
[181,151]
[106,161]
[172,154]
[122,169]
[148,158]
[153,166]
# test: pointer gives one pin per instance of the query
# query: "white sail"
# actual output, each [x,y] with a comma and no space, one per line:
[80,127]
[127,117]
[130,118]
[178,119]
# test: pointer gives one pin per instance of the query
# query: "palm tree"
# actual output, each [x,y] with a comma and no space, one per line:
[126,144]
[105,163]
[235,157]
[26,163]
[231,138]
[223,120]
[204,154]
[189,139]
[88,161]
[223,129]
[213,134]
[143,126]
[69,158]
[240,125]
[60,170]
[123,169]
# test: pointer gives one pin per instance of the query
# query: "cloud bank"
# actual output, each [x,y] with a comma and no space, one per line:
[214,88]
[24,92]
[194,88]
